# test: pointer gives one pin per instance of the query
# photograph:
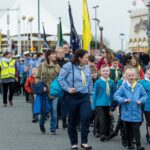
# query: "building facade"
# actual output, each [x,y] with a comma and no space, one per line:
[138,40]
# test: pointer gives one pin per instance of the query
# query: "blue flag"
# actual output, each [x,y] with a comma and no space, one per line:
[45,41]
[74,38]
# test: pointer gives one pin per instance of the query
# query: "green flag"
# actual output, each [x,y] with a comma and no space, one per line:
[60,36]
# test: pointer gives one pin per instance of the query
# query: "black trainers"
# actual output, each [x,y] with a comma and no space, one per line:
[53,132]
[131,147]
[140,148]
[42,128]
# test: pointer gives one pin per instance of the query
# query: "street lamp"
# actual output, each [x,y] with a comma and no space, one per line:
[30,19]
[39,33]
[24,41]
[122,37]
[95,7]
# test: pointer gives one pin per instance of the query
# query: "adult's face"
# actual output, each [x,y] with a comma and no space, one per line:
[52,57]
[35,56]
[66,49]
[84,60]
[60,53]
[104,53]
[133,62]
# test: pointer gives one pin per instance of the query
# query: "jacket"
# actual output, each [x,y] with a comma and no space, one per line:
[42,103]
[146,85]
[29,84]
[100,97]
[131,112]
[8,70]
[48,73]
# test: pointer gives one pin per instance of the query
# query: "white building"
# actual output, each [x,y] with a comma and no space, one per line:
[138,39]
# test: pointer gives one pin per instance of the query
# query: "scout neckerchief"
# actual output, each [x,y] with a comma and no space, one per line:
[133,85]
[107,86]
[83,76]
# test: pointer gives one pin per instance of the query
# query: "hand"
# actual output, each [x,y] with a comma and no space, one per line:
[44,89]
[111,113]
[138,102]
[16,79]
[72,90]
[127,100]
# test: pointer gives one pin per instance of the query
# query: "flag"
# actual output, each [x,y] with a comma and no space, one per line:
[74,38]
[86,29]
[45,40]
[0,41]
[60,36]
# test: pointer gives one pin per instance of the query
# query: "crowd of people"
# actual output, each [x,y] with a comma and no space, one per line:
[82,91]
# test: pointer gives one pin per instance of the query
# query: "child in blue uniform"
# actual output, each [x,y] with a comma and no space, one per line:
[103,94]
[146,84]
[131,95]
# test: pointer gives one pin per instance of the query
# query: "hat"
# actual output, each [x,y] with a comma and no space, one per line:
[26,53]
[17,56]
[5,53]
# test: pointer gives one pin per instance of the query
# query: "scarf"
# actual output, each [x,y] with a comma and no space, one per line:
[83,76]
[107,86]
[133,85]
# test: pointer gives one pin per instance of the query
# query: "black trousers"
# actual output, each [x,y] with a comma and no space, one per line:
[133,131]
[104,119]
[8,87]
[78,104]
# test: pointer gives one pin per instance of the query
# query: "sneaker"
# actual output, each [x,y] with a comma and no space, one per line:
[5,105]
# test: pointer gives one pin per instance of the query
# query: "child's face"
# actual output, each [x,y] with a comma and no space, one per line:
[105,72]
[131,76]
[133,62]
[148,74]
[34,72]
[115,64]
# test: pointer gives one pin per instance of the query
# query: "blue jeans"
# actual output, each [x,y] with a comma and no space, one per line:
[53,121]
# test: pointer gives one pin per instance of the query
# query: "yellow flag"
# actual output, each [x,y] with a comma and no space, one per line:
[0,41]
[86,29]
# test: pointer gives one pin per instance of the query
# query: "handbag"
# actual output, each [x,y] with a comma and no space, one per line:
[56,89]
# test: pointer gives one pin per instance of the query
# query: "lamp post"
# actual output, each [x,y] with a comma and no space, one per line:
[39,33]
[95,7]
[122,37]
[24,40]
[30,19]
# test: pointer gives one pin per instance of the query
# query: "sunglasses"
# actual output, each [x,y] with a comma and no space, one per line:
[103,52]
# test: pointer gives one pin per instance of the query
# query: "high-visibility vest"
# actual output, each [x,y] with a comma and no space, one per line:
[7,69]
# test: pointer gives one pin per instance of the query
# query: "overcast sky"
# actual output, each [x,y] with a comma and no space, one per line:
[113,15]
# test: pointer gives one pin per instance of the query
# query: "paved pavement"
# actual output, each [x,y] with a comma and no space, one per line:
[17,132]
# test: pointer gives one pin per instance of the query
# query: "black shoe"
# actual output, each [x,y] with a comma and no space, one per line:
[124,143]
[113,135]
[131,147]
[42,128]
[97,135]
[86,147]
[53,132]
[140,148]
[104,138]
